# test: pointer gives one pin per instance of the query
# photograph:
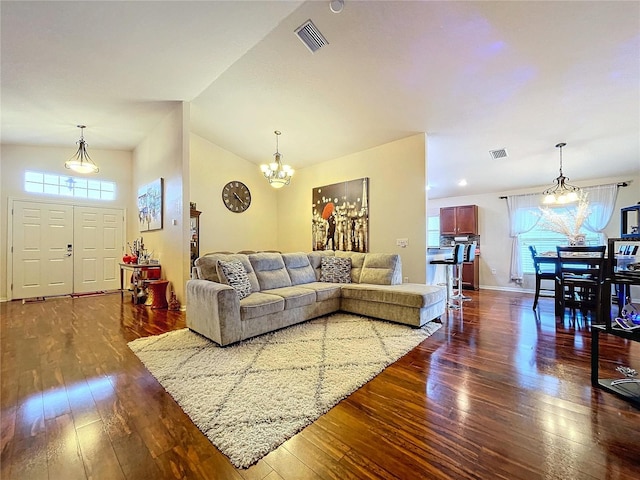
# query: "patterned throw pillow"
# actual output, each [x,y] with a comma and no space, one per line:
[236,276]
[335,269]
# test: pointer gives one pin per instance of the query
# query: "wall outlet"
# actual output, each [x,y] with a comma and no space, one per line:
[402,242]
[494,271]
[405,280]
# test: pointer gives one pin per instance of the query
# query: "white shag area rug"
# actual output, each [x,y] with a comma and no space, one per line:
[250,397]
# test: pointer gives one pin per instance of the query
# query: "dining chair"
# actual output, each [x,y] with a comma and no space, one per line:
[580,272]
[544,271]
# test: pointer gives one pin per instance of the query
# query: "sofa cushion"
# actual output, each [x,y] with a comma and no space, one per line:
[335,269]
[208,267]
[259,304]
[270,270]
[299,269]
[294,296]
[234,275]
[381,269]
[324,290]
[414,295]
[315,259]
[357,260]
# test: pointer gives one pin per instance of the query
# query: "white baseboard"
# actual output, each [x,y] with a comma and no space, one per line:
[507,289]
[524,290]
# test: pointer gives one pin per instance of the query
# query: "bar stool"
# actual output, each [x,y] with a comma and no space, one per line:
[456,259]
[469,256]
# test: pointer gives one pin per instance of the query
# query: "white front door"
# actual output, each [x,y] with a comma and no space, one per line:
[64,249]
[42,249]
[98,249]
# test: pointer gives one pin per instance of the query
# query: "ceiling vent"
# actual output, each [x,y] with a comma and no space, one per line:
[496,154]
[311,36]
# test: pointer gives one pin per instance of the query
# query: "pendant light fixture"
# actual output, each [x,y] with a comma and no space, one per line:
[81,162]
[561,192]
[276,173]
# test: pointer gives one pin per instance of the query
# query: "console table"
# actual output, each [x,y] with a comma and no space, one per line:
[141,274]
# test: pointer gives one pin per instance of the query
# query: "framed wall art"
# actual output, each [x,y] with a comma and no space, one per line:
[150,206]
[340,216]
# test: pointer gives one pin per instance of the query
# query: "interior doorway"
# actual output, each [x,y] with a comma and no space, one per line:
[62,249]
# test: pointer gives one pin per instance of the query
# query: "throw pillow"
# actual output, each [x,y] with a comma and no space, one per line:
[335,269]
[236,276]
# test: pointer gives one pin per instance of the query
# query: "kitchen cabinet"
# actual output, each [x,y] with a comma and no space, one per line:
[461,220]
[471,275]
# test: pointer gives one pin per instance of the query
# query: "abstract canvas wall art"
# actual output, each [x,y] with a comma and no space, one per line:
[340,216]
[150,206]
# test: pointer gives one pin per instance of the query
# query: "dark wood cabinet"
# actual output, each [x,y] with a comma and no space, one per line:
[471,275]
[461,220]
[448,221]
[194,235]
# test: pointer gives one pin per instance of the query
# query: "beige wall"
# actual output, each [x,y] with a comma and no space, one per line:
[279,220]
[163,154]
[115,166]
[493,225]
[397,200]
[211,168]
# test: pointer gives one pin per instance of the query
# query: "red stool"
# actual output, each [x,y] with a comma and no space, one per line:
[157,294]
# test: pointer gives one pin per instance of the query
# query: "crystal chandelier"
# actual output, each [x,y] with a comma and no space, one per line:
[278,174]
[81,162]
[561,192]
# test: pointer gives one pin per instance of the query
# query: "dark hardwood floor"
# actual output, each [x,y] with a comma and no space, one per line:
[497,393]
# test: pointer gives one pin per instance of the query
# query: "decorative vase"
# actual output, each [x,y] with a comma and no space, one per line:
[174,304]
[577,240]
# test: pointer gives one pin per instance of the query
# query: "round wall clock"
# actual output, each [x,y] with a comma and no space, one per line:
[236,196]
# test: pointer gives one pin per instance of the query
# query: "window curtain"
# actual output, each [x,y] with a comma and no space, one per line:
[522,218]
[602,202]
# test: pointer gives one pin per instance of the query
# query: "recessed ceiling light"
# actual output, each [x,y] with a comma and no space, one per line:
[462,183]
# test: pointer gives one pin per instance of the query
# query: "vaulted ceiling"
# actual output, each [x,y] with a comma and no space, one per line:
[475,76]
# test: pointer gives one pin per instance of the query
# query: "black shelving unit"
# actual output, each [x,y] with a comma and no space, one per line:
[629,221]
[622,278]
[627,391]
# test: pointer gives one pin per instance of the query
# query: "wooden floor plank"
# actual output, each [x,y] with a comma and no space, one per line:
[64,457]
[99,457]
[499,392]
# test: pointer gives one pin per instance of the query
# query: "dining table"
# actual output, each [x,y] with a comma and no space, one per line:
[551,258]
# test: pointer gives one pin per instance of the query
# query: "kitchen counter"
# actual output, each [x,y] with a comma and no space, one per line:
[437,274]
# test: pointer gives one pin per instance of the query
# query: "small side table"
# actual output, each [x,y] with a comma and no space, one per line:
[141,274]
[156,293]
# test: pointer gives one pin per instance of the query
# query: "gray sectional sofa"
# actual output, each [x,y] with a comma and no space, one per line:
[285,290]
